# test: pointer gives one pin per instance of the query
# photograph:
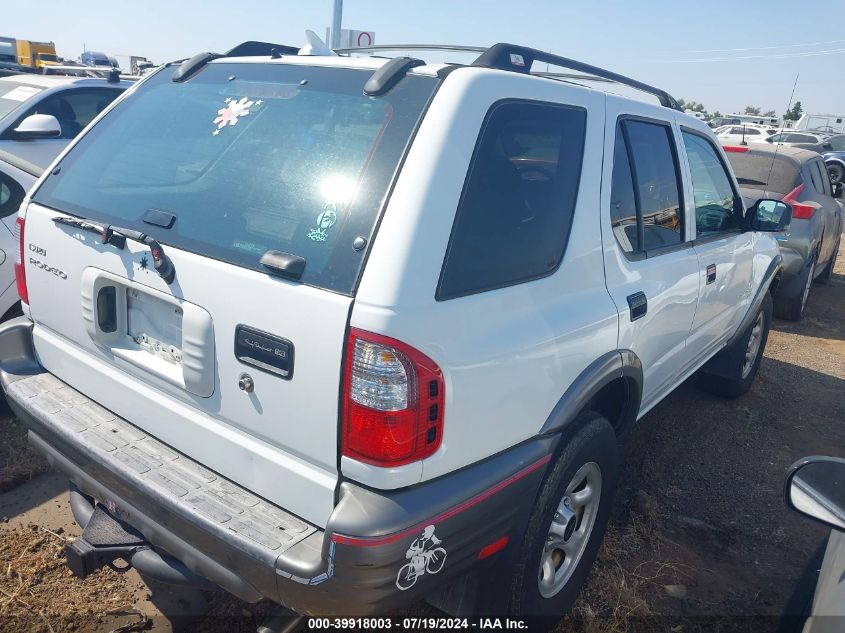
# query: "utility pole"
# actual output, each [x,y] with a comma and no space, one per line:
[337,18]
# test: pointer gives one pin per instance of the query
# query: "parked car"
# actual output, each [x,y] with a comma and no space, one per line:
[16,178]
[281,401]
[9,57]
[832,149]
[805,140]
[810,247]
[744,133]
[40,115]
[815,487]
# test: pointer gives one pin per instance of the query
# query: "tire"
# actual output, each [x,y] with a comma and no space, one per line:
[589,447]
[827,273]
[733,370]
[836,172]
[792,308]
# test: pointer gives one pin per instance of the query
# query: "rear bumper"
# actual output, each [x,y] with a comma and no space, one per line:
[251,548]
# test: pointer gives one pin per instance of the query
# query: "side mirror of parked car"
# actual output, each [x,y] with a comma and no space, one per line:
[837,190]
[769,215]
[815,486]
[39,126]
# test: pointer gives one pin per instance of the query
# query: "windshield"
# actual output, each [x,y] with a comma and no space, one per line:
[13,94]
[249,158]
[47,57]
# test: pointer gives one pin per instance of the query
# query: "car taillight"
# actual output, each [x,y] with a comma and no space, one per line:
[735,148]
[799,209]
[20,271]
[392,401]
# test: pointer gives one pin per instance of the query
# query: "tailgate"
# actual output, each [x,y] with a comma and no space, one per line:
[181,382]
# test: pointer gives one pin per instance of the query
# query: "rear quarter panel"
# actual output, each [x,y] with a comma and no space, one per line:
[507,355]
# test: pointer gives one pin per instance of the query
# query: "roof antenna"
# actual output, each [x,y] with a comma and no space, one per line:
[777,143]
[315,46]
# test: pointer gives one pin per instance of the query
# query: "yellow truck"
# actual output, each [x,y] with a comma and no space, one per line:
[37,55]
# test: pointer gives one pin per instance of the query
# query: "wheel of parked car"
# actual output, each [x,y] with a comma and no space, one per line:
[568,521]
[836,172]
[792,308]
[826,274]
[731,372]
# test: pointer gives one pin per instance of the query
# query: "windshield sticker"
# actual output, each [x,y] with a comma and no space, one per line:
[21,93]
[234,110]
[425,557]
[326,220]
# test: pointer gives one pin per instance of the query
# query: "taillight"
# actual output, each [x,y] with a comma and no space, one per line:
[392,401]
[20,271]
[735,148]
[799,209]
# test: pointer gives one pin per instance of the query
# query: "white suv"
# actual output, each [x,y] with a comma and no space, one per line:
[342,332]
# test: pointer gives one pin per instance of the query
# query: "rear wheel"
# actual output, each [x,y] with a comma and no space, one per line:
[568,521]
[732,372]
[836,172]
[792,308]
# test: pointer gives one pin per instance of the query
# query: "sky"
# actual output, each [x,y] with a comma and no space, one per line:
[726,56]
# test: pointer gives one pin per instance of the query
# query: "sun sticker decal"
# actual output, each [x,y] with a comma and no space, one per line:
[234,110]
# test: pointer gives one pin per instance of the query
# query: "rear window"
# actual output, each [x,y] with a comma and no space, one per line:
[249,158]
[764,171]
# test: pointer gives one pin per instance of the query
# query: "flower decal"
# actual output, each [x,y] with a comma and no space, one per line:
[233,111]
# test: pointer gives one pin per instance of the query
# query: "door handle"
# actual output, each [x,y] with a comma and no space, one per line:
[637,305]
[711,273]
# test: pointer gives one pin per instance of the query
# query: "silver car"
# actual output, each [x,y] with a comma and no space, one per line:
[41,114]
[809,247]
[815,487]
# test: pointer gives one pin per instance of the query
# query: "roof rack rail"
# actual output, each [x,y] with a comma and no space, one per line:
[519,59]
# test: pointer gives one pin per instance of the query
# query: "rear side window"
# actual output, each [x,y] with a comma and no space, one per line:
[815,177]
[717,208]
[645,201]
[824,178]
[516,209]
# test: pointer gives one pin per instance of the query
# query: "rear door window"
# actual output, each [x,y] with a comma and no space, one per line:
[249,158]
[515,212]
[823,178]
[717,206]
[645,209]
[11,195]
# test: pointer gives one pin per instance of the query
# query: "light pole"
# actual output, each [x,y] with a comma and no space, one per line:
[337,18]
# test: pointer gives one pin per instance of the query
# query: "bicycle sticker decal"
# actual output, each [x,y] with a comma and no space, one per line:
[425,557]
[325,221]
[231,114]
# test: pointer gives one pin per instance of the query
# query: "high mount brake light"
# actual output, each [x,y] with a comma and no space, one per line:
[799,209]
[20,271]
[735,148]
[393,398]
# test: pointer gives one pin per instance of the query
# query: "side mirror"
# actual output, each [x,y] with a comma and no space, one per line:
[769,215]
[815,487]
[827,146]
[39,126]
[837,190]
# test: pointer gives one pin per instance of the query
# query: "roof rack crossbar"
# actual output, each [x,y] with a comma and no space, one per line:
[519,58]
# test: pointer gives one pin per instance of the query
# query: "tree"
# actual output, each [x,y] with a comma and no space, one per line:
[752,110]
[716,115]
[769,113]
[794,113]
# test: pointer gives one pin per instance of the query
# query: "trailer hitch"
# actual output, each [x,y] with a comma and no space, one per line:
[104,540]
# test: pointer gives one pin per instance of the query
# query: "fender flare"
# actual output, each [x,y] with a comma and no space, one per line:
[601,372]
[775,266]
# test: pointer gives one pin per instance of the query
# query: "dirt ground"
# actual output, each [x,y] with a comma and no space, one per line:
[700,539]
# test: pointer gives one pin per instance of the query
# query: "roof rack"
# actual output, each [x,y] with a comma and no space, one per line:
[516,58]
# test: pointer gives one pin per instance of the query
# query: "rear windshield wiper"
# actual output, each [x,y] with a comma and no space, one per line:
[117,236]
